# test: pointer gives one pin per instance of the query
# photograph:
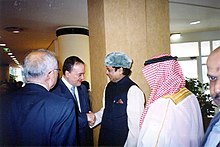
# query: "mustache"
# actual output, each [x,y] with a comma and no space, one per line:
[216,96]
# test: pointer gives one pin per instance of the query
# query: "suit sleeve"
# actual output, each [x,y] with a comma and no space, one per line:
[64,130]
[85,108]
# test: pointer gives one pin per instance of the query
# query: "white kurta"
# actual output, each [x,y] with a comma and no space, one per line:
[169,125]
[135,107]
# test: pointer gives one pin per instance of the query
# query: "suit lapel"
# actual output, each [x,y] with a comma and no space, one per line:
[65,90]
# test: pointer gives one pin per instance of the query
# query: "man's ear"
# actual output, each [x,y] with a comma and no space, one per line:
[50,76]
[67,73]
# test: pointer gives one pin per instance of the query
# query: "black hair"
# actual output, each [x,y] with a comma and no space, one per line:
[126,71]
[160,59]
[70,62]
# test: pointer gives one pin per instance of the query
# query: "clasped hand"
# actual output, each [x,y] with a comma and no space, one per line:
[91,118]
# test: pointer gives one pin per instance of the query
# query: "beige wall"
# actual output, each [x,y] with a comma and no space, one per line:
[139,28]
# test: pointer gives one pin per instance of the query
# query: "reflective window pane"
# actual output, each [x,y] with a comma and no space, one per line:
[189,49]
[204,59]
[204,74]
[215,44]
[189,71]
[205,48]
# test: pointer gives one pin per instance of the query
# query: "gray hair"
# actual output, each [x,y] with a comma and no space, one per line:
[39,63]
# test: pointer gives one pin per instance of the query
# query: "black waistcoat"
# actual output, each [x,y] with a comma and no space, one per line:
[114,126]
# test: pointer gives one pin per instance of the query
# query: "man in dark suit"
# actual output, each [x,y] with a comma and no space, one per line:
[212,134]
[33,116]
[70,87]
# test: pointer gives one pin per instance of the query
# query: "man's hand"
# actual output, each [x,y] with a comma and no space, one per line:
[91,118]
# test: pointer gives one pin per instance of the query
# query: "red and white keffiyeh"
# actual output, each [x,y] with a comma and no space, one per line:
[164,78]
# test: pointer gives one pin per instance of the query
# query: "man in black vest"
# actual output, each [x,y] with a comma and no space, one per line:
[123,104]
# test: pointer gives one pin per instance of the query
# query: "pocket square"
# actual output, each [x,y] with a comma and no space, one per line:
[120,101]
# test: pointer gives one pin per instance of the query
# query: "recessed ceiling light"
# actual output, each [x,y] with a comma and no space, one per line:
[10,53]
[195,22]
[2,44]
[12,56]
[175,36]
[14,29]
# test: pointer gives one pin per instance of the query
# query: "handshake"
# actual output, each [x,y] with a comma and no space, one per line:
[91,118]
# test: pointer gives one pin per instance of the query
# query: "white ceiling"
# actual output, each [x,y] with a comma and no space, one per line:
[41,18]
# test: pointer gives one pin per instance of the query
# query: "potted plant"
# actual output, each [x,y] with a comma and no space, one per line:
[205,101]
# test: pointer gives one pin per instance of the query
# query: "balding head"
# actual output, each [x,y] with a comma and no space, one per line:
[38,66]
[213,73]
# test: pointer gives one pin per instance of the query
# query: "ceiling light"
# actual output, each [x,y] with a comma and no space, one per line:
[10,53]
[12,56]
[175,36]
[16,32]
[195,22]
[2,44]
[14,29]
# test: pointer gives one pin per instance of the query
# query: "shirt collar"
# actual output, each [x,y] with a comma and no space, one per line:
[69,86]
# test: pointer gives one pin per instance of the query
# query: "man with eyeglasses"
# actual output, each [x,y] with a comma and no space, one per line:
[70,86]
[33,116]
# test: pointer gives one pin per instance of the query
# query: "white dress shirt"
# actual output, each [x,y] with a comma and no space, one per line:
[69,86]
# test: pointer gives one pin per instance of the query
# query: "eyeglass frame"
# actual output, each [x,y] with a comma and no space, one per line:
[54,70]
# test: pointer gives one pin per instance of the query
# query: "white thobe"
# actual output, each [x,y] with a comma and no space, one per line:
[167,124]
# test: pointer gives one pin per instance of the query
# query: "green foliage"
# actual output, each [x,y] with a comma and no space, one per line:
[205,100]
[12,78]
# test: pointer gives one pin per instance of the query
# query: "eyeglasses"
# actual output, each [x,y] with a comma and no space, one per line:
[54,70]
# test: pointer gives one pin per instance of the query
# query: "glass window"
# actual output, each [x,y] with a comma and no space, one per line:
[204,74]
[189,49]
[204,59]
[16,73]
[189,71]
[205,48]
[215,44]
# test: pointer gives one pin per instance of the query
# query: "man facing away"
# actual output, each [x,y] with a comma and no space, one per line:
[212,135]
[70,87]
[123,103]
[172,116]
[33,116]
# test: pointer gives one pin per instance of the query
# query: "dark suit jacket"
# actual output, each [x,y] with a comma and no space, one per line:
[85,135]
[214,120]
[32,116]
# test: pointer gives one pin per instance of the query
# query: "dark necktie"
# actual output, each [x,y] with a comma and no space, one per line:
[73,93]
[74,96]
